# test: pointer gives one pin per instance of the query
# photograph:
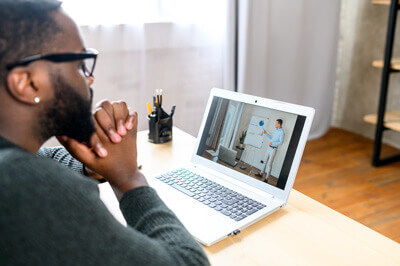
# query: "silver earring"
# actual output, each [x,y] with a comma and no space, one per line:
[37,99]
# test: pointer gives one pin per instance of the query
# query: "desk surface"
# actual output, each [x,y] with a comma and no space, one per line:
[305,232]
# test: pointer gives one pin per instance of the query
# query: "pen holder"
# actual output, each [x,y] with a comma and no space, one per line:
[160,130]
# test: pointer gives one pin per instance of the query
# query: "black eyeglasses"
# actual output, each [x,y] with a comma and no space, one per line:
[88,56]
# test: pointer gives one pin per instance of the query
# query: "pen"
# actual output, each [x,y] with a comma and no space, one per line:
[159,113]
[172,111]
[149,108]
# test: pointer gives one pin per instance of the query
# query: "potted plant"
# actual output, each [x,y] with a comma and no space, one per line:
[241,139]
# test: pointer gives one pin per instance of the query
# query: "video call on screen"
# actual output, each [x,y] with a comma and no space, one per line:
[256,141]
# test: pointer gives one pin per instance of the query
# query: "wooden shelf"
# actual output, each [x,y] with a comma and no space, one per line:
[381,2]
[391,120]
[394,65]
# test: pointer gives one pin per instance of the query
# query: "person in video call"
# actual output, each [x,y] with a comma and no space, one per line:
[276,137]
[51,213]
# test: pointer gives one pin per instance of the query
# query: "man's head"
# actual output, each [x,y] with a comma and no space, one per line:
[26,28]
[278,123]
[53,96]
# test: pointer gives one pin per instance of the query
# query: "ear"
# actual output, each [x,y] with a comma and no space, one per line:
[20,86]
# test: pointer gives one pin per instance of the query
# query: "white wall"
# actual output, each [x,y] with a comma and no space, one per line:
[253,155]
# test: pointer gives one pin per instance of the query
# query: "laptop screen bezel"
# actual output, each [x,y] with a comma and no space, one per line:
[307,112]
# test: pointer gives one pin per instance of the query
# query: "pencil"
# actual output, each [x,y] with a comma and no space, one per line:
[149,108]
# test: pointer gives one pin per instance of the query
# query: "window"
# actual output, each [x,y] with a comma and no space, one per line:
[106,12]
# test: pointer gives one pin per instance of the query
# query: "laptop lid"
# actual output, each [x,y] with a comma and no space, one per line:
[250,125]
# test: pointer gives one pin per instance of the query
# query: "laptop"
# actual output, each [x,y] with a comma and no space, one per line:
[227,155]
[215,199]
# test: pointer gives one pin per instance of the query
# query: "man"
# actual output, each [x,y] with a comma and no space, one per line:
[51,215]
[276,140]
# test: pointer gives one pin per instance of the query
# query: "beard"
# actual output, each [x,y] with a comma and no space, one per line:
[68,114]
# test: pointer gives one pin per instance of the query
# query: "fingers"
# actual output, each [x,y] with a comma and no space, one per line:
[63,140]
[131,120]
[97,146]
[78,150]
[135,121]
[100,133]
[121,113]
[114,119]
[98,140]
[107,123]
[105,104]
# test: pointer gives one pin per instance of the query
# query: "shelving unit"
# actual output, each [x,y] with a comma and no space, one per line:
[394,65]
[391,121]
[386,120]
[381,2]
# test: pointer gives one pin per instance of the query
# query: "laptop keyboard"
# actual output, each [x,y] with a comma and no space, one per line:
[224,200]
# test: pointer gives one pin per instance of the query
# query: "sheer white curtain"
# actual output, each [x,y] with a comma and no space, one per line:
[288,52]
[174,45]
[232,120]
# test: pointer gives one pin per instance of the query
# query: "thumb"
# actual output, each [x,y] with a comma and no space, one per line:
[79,151]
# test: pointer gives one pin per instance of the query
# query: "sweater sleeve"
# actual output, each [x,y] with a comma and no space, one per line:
[61,155]
[54,217]
[145,211]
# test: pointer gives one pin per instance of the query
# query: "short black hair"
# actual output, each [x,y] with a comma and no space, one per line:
[26,28]
[279,121]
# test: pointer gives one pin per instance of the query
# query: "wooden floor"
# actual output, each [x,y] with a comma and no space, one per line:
[249,170]
[336,171]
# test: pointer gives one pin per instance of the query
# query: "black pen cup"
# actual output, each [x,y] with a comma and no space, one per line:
[160,130]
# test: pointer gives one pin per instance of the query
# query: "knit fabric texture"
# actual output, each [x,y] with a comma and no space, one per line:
[51,215]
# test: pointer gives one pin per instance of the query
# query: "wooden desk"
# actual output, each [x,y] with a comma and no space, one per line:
[305,232]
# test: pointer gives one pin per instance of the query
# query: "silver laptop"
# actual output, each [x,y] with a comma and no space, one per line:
[215,199]
[227,155]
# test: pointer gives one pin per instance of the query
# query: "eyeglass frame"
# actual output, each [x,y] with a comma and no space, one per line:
[60,58]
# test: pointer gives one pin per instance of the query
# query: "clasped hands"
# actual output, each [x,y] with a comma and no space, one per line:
[112,149]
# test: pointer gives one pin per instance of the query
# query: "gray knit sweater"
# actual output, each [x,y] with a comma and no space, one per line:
[51,215]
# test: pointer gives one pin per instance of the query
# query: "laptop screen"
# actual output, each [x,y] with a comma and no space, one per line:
[256,141]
